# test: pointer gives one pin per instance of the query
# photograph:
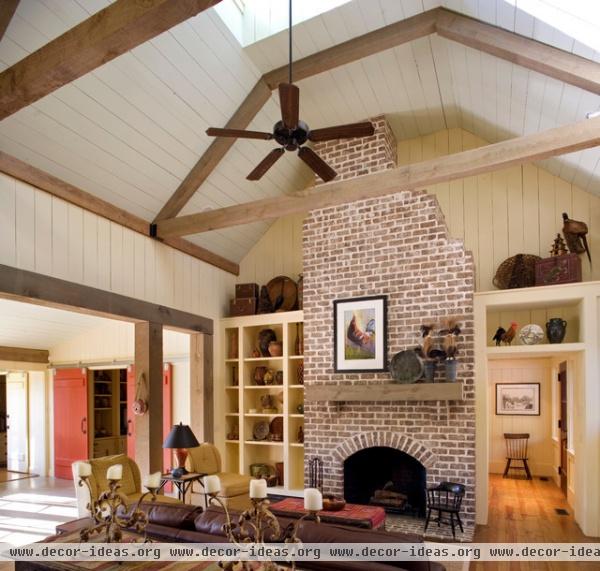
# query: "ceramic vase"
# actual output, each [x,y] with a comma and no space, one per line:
[556,329]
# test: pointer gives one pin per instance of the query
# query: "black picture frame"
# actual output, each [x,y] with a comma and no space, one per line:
[504,411]
[342,364]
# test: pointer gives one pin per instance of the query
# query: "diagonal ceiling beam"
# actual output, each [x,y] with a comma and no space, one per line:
[61,189]
[116,29]
[352,50]
[523,51]
[7,11]
[253,103]
[518,49]
[538,146]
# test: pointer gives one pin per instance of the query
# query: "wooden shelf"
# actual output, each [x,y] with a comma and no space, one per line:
[262,386]
[296,386]
[385,392]
[297,444]
[264,414]
[232,360]
[296,416]
[232,414]
[263,442]
[258,359]
[296,357]
[542,350]
[232,441]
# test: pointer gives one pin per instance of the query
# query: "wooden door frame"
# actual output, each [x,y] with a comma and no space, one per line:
[31,287]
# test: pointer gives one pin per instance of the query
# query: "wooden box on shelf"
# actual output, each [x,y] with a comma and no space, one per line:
[564,269]
[242,306]
[246,291]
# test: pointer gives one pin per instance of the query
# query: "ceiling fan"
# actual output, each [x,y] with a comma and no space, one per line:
[292,133]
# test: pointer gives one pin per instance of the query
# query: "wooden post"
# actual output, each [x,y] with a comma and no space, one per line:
[201,387]
[148,370]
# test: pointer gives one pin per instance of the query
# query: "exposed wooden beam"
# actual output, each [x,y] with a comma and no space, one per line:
[523,51]
[7,11]
[24,355]
[253,103]
[57,187]
[538,146]
[116,29]
[30,287]
[352,50]
[149,436]
[363,46]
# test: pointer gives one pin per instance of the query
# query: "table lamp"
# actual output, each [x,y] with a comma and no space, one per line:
[180,439]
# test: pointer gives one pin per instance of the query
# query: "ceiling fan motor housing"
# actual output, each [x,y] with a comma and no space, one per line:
[291,139]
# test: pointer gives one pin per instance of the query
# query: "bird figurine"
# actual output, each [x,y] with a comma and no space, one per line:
[575,233]
[498,335]
[508,336]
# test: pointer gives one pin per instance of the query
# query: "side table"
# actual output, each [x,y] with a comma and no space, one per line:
[182,483]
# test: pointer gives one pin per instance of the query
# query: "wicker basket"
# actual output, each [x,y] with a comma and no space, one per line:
[517,271]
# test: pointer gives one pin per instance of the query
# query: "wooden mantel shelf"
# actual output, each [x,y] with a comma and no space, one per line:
[385,392]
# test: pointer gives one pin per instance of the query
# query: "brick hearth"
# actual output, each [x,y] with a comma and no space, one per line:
[396,246]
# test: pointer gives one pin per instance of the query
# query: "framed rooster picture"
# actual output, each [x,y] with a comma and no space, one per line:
[360,334]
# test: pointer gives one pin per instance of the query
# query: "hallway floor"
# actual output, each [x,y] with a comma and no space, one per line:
[524,511]
[31,508]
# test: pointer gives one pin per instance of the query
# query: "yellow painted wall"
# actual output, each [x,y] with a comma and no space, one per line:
[539,428]
[500,214]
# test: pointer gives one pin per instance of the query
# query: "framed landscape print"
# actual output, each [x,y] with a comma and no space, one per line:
[360,334]
[518,399]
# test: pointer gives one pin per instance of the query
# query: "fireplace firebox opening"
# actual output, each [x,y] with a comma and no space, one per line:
[388,478]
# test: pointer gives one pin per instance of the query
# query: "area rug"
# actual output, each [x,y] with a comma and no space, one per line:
[9,476]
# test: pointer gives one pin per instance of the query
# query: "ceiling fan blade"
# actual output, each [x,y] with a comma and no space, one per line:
[265,164]
[365,129]
[316,163]
[241,133]
[289,100]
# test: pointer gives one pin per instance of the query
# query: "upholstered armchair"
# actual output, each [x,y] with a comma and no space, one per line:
[205,459]
[131,482]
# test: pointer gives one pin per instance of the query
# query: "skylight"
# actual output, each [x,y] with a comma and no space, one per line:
[253,20]
[579,19]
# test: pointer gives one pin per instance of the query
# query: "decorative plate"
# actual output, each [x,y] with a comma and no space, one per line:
[531,334]
[261,430]
[283,293]
[406,367]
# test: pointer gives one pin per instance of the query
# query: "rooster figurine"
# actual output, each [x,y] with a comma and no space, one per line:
[575,232]
[508,336]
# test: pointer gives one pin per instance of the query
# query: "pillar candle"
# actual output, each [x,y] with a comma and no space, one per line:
[152,480]
[84,469]
[258,489]
[114,472]
[313,500]
[212,484]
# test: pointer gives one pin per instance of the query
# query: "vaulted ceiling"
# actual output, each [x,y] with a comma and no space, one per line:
[130,131]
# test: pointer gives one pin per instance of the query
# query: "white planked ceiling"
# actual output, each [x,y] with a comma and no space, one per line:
[130,131]
[38,327]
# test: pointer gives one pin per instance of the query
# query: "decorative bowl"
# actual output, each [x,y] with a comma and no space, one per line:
[333,503]
[276,348]
[531,334]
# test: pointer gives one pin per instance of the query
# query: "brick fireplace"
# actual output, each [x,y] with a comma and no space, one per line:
[396,246]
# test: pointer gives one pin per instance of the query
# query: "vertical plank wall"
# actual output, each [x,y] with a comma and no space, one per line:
[499,214]
[44,234]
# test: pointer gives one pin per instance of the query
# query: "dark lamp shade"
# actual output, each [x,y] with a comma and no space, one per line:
[181,436]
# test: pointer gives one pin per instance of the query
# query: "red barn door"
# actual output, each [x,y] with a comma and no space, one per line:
[70,420]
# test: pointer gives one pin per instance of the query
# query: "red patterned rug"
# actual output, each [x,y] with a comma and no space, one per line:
[370,517]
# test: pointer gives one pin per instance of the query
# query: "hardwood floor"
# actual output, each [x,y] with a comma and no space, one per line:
[524,511]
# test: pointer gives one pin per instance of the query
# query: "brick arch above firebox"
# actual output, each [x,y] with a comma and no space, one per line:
[387,439]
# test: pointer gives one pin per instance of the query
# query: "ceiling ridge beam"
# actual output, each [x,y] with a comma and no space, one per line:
[56,187]
[116,29]
[525,149]
[24,355]
[526,52]
[7,11]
